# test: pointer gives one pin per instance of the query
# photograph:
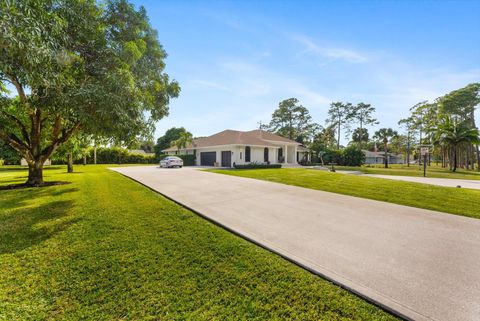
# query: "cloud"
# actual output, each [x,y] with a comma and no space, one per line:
[332,53]
[209,85]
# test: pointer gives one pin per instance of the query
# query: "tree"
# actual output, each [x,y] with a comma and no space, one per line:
[73,149]
[408,123]
[363,114]
[292,121]
[360,135]
[384,135]
[78,67]
[8,155]
[462,103]
[340,116]
[453,134]
[184,140]
[166,140]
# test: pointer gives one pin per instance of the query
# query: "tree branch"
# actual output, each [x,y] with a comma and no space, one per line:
[20,124]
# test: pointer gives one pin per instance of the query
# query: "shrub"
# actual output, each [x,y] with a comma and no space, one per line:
[350,156]
[353,156]
[256,166]
[188,160]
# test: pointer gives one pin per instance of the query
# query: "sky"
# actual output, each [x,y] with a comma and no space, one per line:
[236,60]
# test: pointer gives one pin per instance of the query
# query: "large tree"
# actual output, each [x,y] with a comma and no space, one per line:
[453,134]
[166,141]
[293,121]
[362,114]
[78,66]
[339,116]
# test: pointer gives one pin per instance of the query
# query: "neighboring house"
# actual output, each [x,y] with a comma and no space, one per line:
[378,158]
[23,162]
[231,147]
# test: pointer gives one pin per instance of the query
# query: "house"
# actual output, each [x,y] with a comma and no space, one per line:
[379,158]
[231,147]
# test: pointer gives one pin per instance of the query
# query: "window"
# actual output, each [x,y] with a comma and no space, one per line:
[240,155]
[247,153]
[265,155]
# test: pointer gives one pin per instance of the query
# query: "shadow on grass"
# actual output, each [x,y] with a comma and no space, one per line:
[23,228]
[23,185]
[17,168]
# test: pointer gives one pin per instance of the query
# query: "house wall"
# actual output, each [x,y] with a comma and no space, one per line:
[238,156]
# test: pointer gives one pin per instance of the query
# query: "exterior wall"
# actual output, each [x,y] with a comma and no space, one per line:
[238,154]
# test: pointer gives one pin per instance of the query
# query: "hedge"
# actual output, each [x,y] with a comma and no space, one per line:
[256,166]
[188,160]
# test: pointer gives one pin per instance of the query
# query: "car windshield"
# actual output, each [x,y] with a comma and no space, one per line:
[173,158]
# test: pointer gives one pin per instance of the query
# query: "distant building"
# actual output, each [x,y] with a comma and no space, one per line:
[23,162]
[379,158]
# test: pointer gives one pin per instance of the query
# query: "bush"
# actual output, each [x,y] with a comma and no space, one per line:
[353,156]
[188,160]
[256,166]
[350,156]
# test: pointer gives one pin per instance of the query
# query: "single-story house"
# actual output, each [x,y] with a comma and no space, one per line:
[23,162]
[379,158]
[231,147]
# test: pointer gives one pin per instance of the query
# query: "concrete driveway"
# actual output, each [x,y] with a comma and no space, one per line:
[421,264]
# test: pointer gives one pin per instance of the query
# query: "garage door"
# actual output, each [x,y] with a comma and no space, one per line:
[208,158]
[226,158]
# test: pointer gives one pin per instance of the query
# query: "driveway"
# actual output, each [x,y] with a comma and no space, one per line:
[421,264]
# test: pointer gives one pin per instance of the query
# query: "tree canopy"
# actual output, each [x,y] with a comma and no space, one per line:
[166,141]
[293,121]
[78,66]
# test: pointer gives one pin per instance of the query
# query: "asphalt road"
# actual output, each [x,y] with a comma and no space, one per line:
[422,264]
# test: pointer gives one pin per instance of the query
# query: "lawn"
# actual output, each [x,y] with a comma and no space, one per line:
[414,170]
[458,201]
[106,248]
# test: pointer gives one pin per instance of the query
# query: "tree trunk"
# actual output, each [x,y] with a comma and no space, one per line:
[70,163]
[35,173]
[95,155]
[84,159]
[386,156]
[454,159]
[478,157]
[338,138]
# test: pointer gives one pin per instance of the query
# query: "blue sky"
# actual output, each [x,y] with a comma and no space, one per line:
[235,60]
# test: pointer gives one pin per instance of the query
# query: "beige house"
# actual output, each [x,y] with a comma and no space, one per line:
[231,147]
[379,158]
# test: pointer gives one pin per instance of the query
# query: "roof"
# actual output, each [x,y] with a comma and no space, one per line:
[235,137]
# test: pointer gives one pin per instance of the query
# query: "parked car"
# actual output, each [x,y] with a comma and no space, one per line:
[171,161]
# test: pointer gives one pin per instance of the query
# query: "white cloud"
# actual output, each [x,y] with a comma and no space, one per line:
[332,53]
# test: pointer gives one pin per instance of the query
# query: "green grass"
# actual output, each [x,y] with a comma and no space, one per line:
[458,201]
[414,170]
[107,248]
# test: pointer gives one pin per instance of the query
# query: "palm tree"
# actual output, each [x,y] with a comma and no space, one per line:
[384,135]
[452,134]
[183,141]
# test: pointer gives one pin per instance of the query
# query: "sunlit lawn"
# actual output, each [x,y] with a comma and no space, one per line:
[106,248]
[415,170]
[458,201]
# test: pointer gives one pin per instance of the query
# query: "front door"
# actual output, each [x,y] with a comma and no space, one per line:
[226,158]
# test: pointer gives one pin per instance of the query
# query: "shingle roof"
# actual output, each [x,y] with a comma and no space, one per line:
[234,137]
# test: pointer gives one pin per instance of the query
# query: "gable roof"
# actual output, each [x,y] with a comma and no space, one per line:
[235,137]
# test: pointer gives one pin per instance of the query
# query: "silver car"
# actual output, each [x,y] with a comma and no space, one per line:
[171,161]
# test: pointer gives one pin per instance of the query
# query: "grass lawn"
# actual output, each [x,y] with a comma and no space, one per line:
[458,201]
[414,170]
[106,248]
